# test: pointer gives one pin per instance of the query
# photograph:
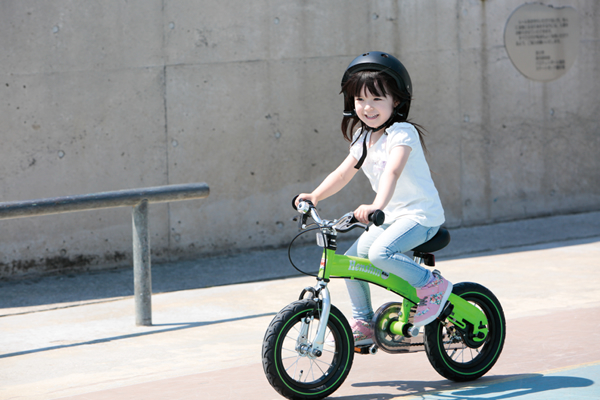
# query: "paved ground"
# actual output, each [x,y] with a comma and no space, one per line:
[74,337]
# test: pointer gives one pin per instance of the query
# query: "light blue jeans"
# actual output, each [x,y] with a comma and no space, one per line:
[383,246]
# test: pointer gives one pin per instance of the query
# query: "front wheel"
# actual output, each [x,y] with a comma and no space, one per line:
[447,349]
[295,373]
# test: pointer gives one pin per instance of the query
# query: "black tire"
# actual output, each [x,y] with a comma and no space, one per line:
[446,349]
[296,375]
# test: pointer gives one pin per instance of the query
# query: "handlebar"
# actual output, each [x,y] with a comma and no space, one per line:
[307,207]
[377,217]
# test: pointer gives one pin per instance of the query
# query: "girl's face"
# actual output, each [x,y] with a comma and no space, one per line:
[373,110]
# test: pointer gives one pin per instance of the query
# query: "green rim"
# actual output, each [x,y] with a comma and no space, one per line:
[293,319]
[493,359]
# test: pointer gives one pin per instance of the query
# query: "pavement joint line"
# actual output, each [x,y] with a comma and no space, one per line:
[72,305]
[570,367]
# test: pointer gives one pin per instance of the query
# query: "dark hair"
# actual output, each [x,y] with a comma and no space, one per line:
[380,84]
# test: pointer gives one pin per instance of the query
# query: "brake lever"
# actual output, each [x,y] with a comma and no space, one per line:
[348,222]
[302,221]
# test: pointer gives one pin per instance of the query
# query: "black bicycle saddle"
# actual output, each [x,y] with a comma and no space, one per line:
[438,242]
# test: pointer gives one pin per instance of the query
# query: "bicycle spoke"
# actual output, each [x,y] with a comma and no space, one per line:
[329,351]
[294,364]
[291,337]
[290,357]
[291,350]
[324,363]
[460,355]
[310,371]
[452,355]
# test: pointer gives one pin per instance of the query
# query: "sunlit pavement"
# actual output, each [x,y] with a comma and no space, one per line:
[205,343]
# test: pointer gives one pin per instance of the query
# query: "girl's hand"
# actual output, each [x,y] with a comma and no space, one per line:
[307,196]
[362,213]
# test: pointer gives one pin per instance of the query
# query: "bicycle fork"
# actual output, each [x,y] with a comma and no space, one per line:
[303,345]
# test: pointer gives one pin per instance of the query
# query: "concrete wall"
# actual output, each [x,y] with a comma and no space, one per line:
[98,96]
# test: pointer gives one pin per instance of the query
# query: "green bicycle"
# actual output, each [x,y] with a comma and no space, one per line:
[308,348]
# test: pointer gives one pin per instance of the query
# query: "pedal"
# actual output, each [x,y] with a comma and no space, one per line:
[366,349]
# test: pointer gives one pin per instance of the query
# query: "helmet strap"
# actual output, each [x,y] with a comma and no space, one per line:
[364,151]
[384,125]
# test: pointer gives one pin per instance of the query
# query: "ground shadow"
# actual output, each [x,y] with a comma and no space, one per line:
[488,388]
[156,328]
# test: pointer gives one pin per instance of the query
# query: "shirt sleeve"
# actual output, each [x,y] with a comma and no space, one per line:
[403,135]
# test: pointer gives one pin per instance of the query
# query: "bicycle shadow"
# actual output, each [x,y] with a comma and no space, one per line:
[488,388]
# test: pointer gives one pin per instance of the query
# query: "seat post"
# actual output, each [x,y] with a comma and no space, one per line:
[425,258]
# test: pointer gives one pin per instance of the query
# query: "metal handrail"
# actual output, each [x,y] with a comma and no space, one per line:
[118,198]
[138,199]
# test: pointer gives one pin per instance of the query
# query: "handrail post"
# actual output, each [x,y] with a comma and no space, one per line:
[139,199]
[142,277]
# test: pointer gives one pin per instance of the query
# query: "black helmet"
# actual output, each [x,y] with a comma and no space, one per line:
[379,61]
[390,65]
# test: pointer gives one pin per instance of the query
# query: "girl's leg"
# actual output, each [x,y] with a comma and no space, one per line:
[360,293]
[386,253]
[401,236]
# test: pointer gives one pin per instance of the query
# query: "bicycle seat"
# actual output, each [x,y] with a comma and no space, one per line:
[438,242]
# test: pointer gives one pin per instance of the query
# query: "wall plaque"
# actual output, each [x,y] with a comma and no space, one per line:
[542,41]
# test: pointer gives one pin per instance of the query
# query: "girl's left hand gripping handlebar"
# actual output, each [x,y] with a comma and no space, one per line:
[377,217]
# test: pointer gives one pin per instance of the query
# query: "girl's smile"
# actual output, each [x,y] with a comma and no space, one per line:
[373,110]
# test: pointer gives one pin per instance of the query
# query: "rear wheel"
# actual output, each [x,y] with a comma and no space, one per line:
[294,372]
[448,350]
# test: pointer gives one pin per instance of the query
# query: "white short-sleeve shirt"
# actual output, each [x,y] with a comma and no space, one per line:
[415,196]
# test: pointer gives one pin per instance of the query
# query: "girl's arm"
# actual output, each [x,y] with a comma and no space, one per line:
[333,183]
[387,183]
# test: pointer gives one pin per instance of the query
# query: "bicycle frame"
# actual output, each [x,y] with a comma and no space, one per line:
[466,317]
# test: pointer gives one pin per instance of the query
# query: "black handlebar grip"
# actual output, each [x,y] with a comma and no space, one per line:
[377,217]
[294,202]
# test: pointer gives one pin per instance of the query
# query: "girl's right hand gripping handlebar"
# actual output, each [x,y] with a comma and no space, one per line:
[377,217]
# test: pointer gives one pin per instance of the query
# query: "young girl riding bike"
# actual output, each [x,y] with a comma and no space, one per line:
[377,94]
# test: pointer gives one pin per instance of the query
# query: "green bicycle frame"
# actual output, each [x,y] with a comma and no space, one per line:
[464,315]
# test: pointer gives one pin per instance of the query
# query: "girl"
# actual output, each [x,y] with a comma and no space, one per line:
[377,93]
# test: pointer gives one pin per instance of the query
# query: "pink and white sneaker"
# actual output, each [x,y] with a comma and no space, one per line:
[433,298]
[362,332]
